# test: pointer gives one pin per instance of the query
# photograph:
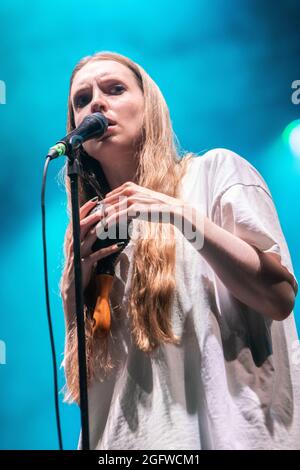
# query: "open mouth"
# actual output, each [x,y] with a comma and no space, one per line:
[110,122]
[110,125]
[107,133]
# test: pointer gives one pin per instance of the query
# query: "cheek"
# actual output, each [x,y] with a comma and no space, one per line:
[78,117]
[133,115]
[132,107]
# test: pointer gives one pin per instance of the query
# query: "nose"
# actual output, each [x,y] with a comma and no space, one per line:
[98,103]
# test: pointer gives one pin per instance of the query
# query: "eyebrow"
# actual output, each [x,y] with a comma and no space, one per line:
[84,84]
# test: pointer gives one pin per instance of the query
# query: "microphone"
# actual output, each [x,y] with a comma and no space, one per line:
[94,125]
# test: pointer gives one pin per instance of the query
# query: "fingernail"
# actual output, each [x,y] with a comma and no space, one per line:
[95,199]
[119,244]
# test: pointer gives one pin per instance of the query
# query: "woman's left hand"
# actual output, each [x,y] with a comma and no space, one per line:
[131,201]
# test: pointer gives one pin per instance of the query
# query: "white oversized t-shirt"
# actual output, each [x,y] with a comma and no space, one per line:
[234,381]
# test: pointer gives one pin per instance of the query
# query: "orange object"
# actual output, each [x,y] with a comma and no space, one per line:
[102,314]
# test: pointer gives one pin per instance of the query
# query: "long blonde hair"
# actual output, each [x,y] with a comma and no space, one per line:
[160,167]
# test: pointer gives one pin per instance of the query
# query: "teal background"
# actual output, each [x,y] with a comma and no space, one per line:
[225,69]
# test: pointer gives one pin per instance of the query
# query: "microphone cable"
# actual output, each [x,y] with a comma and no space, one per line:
[56,392]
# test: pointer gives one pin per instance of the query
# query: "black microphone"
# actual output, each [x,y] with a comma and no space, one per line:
[94,125]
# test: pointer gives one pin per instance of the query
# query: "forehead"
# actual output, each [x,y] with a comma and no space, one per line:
[99,69]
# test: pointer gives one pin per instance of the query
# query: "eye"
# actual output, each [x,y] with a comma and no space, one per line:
[118,89]
[81,100]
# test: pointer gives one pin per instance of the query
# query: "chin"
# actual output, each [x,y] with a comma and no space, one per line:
[93,147]
[96,147]
[104,151]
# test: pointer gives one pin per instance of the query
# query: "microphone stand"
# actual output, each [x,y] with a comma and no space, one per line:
[73,171]
[90,127]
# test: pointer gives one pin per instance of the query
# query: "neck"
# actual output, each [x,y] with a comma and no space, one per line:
[119,173]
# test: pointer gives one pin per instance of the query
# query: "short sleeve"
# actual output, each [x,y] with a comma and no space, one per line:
[244,206]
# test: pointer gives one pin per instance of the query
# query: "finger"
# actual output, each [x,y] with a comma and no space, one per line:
[121,217]
[85,209]
[127,189]
[87,243]
[130,203]
[124,195]
[87,223]
[100,254]
[117,190]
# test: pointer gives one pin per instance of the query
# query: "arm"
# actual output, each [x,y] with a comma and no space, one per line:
[255,278]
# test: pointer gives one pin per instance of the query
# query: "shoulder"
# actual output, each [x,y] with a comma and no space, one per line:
[225,158]
[212,159]
[225,168]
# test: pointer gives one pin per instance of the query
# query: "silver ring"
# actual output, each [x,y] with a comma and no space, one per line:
[101,207]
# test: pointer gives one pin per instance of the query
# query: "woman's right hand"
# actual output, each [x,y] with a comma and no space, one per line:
[89,258]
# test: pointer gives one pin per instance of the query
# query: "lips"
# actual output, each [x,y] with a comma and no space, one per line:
[110,122]
[106,134]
